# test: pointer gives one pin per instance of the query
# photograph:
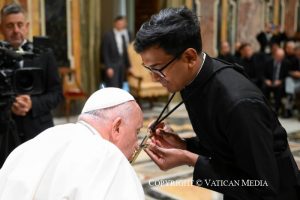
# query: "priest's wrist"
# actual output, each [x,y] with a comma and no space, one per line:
[190,158]
[183,145]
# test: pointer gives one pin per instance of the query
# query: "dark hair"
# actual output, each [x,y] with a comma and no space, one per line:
[12,8]
[244,45]
[172,29]
[119,17]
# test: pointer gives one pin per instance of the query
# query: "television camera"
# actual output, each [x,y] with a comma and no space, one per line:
[15,80]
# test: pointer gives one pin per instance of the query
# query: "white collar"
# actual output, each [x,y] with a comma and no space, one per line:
[119,32]
[203,60]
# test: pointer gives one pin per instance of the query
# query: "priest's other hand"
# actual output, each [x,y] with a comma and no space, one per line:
[165,137]
[22,105]
[166,159]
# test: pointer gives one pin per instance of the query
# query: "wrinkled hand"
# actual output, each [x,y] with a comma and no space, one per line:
[110,72]
[22,105]
[277,83]
[164,136]
[169,158]
[268,82]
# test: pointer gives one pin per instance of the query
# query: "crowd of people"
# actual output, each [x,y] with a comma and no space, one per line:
[275,68]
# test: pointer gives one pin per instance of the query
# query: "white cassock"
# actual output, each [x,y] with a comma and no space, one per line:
[68,162]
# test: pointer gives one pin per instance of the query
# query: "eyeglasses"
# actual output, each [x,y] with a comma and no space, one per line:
[159,71]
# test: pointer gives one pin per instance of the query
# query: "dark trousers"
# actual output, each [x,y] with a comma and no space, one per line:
[277,92]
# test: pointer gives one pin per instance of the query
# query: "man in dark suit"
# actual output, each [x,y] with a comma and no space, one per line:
[264,38]
[239,140]
[32,113]
[292,79]
[225,53]
[114,53]
[272,34]
[276,71]
[253,64]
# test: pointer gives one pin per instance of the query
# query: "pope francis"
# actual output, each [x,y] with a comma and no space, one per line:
[87,160]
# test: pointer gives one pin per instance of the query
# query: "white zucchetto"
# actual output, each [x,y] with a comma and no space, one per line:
[106,98]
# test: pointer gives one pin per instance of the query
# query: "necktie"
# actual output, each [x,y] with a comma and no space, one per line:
[124,45]
[125,55]
[276,71]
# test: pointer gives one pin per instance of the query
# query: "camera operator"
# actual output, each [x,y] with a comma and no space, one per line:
[32,113]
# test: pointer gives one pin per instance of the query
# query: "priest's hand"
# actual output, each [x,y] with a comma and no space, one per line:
[165,137]
[166,159]
[22,105]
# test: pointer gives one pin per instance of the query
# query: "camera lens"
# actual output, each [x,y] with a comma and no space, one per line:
[24,81]
[28,81]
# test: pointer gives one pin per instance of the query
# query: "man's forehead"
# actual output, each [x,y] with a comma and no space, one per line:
[153,53]
[14,17]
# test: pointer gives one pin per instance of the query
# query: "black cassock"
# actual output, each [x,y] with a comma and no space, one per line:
[243,148]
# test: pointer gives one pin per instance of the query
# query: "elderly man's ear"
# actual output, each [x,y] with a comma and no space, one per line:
[115,131]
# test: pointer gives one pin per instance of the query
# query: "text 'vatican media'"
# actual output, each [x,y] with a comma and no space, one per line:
[209,183]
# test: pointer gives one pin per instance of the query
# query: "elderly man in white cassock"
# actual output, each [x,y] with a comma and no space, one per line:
[87,160]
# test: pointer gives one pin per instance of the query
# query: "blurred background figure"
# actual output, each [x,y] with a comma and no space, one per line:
[237,53]
[253,63]
[271,34]
[292,82]
[225,53]
[114,53]
[297,88]
[264,38]
[279,36]
[275,72]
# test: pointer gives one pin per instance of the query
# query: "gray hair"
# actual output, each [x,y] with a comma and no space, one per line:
[12,8]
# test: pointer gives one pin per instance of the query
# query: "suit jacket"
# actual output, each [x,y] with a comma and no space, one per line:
[228,57]
[254,68]
[109,50]
[263,41]
[112,59]
[269,69]
[239,138]
[39,117]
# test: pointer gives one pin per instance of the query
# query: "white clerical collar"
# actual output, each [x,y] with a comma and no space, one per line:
[203,60]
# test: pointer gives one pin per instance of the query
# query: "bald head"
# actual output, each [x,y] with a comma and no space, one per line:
[290,48]
[279,55]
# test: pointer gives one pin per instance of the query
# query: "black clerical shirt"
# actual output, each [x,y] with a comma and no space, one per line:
[243,148]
